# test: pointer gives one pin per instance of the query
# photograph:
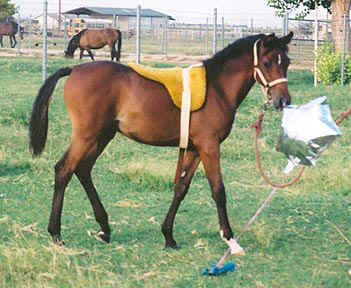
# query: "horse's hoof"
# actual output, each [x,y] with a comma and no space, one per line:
[58,240]
[172,245]
[104,236]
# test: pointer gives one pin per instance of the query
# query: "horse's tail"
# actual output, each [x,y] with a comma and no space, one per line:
[119,33]
[38,126]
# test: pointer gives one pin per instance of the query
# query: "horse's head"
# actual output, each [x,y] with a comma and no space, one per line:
[72,46]
[68,54]
[270,67]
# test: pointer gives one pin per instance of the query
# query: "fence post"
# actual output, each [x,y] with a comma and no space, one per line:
[114,21]
[222,32]
[20,35]
[214,50]
[65,34]
[30,32]
[138,35]
[165,27]
[207,36]
[285,23]
[200,32]
[45,39]
[315,46]
[343,51]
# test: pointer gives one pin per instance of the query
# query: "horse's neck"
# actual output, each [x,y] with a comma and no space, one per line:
[234,82]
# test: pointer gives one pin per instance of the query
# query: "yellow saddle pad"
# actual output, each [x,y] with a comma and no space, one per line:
[172,79]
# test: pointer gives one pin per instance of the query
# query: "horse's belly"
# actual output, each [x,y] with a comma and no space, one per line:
[149,130]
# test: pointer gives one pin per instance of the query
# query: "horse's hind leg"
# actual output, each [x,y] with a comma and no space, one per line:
[1,44]
[191,162]
[113,51]
[91,54]
[83,173]
[63,174]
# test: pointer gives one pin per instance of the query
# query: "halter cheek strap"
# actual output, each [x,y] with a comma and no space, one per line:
[258,74]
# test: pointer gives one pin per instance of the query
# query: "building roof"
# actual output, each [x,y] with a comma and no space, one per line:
[106,11]
[53,16]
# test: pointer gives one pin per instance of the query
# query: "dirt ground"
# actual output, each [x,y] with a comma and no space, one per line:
[174,59]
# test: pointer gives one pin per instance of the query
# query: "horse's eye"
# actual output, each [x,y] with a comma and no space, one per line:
[267,64]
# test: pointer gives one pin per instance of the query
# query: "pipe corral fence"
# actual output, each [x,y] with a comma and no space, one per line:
[170,38]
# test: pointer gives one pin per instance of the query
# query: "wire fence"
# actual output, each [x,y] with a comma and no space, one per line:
[166,38]
[206,34]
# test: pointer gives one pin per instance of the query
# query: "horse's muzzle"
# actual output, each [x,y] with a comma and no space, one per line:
[280,102]
[67,55]
[284,102]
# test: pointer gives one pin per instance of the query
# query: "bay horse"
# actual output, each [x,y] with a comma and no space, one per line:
[104,97]
[10,28]
[88,39]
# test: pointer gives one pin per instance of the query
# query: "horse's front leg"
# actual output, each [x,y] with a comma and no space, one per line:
[13,41]
[91,54]
[210,157]
[181,187]
[81,53]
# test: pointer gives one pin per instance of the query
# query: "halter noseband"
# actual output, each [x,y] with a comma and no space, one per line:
[258,74]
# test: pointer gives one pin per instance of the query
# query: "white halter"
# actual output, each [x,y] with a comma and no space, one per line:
[257,72]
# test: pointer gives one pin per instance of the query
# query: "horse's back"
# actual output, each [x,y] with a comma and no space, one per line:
[7,28]
[96,38]
[99,92]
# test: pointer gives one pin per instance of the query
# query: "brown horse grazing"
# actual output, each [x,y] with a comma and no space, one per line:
[10,28]
[104,97]
[88,39]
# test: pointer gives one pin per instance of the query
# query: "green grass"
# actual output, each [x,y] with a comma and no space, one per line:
[302,239]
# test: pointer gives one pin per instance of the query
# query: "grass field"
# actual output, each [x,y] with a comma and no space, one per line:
[302,239]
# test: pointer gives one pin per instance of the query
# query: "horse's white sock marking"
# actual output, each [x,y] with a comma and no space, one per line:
[235,248]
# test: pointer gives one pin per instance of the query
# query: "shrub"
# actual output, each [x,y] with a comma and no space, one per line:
[329,66]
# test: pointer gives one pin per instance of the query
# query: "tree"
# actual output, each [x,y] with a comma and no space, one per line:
[7,9]
[338,9]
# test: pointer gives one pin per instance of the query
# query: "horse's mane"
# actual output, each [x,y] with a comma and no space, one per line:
[215,64]
[9,20]
[6,19]
[74,42]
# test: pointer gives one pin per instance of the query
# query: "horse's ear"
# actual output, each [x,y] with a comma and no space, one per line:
[286,39]
[267,40]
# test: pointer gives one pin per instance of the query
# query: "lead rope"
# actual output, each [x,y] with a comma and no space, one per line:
[258,126]
[342,116]
[265,85]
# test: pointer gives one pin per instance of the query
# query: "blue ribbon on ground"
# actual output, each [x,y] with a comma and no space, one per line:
[215,270]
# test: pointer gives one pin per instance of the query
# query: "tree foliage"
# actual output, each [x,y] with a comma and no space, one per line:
[329,66]
[7,9]
[338,9]
[284,6]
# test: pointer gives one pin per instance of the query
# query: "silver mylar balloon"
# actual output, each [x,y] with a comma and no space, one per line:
[306,131]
